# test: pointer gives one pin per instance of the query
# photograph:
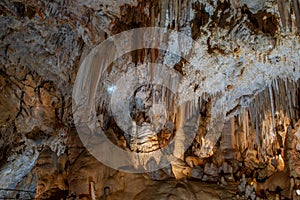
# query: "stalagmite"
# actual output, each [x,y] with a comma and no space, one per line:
[179,141]
[193,161]
[280,163]
[92,191]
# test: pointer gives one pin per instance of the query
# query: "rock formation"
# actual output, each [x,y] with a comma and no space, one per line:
[241,82]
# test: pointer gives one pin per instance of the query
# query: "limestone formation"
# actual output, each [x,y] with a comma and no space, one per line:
[227,106]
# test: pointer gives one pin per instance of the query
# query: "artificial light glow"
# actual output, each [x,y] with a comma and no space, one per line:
[111,89]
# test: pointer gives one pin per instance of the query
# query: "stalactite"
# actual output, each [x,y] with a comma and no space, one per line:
[288,99]
[169,13]
[297,13]
[153,13]
[228,142]
[163,13]
[183,12]
[272,106]
[287,5]
[176,10]
[179,14]
[242,130]
[257,131]
[285,15]
[282,13]
[232,132]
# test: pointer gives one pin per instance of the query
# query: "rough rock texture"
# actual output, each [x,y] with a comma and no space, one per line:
[244,75]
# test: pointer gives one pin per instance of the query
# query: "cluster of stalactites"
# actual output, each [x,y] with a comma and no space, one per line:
[289,9]
[174,13]
[264,125]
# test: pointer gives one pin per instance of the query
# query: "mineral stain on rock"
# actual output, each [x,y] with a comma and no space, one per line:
[201,19]
[262,21]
